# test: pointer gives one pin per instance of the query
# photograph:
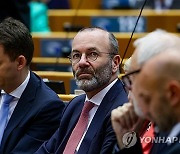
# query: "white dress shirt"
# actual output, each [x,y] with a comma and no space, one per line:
[17,94]
[96,99]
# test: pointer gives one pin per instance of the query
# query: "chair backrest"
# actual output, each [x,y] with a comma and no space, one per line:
[57,86]
[118,4]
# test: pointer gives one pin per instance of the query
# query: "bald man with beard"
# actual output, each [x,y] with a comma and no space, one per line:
[95,62]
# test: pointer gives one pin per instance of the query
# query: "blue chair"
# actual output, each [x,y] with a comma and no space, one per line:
[118,4]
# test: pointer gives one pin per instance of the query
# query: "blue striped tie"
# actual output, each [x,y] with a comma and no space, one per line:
[4,113]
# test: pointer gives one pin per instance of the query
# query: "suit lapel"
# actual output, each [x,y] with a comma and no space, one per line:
[23,106]
[73,114]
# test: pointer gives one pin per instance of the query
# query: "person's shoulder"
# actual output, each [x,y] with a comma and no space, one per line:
[78,98]
[76,101]
[118,90]
[42,91]
[174,148]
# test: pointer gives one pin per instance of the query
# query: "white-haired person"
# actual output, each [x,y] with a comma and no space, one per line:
[126,118]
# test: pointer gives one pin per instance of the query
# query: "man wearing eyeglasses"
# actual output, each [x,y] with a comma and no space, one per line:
[158,94]
[126,118]
[95,62]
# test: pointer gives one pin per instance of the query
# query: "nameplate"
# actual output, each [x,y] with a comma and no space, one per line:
[55,47]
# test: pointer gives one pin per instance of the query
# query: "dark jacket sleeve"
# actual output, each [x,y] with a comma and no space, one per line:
[136,149]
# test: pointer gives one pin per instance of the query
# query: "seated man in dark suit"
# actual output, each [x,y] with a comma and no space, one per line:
[95,62]
[33,113]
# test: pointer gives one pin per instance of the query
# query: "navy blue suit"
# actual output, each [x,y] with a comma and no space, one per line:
[100,137]
[35,118]
[164,148]
[173,148]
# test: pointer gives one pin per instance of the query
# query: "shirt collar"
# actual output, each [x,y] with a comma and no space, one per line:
[97,99]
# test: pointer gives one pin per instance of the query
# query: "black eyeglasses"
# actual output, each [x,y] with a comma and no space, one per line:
[91,56]
[127,80]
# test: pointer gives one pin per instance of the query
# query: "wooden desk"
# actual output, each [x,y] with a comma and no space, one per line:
[66,98]
[166,19]
[50,60]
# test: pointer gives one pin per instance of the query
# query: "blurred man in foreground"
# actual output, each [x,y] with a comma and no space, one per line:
[157,89]
[124,118]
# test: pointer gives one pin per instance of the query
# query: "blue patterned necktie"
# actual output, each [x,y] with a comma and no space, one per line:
[4,110]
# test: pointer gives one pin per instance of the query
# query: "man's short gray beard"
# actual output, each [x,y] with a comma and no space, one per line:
[137,109]
[100,78]
[87,85]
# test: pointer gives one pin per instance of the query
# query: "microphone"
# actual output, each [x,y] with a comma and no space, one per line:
[121,63]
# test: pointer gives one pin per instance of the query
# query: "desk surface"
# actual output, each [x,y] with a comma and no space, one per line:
[50,60]
[96,12]
[66,98]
